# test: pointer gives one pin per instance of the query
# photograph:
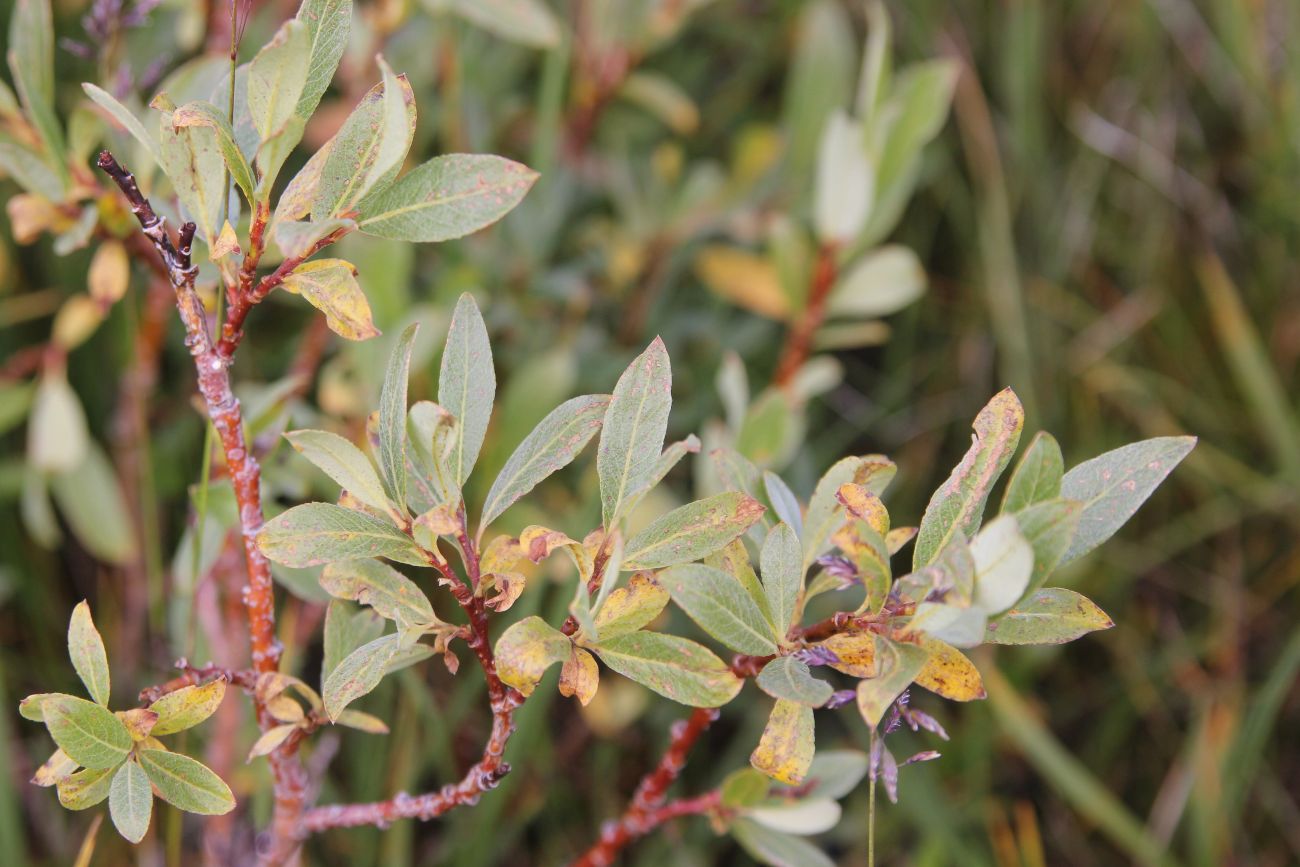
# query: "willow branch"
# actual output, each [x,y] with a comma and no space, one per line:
[799,341]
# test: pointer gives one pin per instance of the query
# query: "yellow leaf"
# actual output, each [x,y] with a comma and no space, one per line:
[856,651]
[270,739]
[898,537]
[76,320]
[743,278]
[862,504]
[227,244]
[949,673]
[579,675]
[539,542]
[110,272]
[502,554]
[440,520]
[330,285]
[285,709]
[57,768]
[138,721]
[30,215]
[187,707]
[509,586]
[526,649]
[785,751]
[362,721]
[631,607]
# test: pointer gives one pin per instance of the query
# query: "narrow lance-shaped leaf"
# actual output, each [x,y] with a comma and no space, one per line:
[31,62]
[392,418]
[958,505]
[192,160]
[130,801]
[1049,528]
[317,533]
[186,784]
[358,674]
[721,607]
[86,650]
[782,570]
[467,384]
[784,502]
[205,114]
[1112,486]
[785,750]
[329,22]
[1049,616]
[551,446]
[343,462]
[277,76]
[692,531]
[676,668]
[330,285]
[448,197]
[123,116]
[633,431]
[1037,477]
[383,588]
[790,679]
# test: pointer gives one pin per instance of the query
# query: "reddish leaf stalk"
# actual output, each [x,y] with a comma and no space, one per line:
[212,367]
[647,809]
[798,343]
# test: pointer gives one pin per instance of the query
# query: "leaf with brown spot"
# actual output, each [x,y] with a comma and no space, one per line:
[579,676]
[526,650]
[785,751]
[330,285]
[949,673]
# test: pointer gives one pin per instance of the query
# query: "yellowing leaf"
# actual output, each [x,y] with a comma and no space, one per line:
[270,739]
[86,650]
[138,721]
[330,285]
[76,320]
[526,650]
[187,707]
[861,503]
[110,272]
[85,788]
[57,768]
[856,652]
[785,750]
[579,676]
[631,607]
[227,243]
[743,278]
[947,672]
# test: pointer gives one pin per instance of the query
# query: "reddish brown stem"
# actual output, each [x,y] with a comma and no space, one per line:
[798,343]
[647,809]
[212,368]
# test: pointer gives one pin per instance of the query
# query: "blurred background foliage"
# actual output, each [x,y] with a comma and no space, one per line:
[1107,222]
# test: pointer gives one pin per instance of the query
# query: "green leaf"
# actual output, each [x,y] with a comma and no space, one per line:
[86,788]
[27,168]
[845,182]
[317,533]
[447,197]
[299,239]
[897,665]
[789,678]
[692,531]
[785,750]
[527,22]
[1049,616]
[958,505]
[835,773]
[383,588]
[431,429]
[125,118]
[820,81]
[671,457]
[678,669]
[296,200]
[186,784]
[31,706]
[629,608]
[57,439]
[776,849]
[526,649]
[329,22]
[882,282]
[744,787]
[90,734]
[784,502]
[826,513]
[805,816]
[467,384]
[720,607]
[1049,528]
[31,62]
[368,150]
[193,162]
[344,463]
[130,801]
[1037,477]
[783,573]
[551,446]
[346,629]
[633,432]
[205,114]
[392,418]
[91,499]
[358,673]
[86,650]
[187,707]
[277,77]
[1003,564]
[1113,485]
[919,104]
[330,285]
[734,560]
